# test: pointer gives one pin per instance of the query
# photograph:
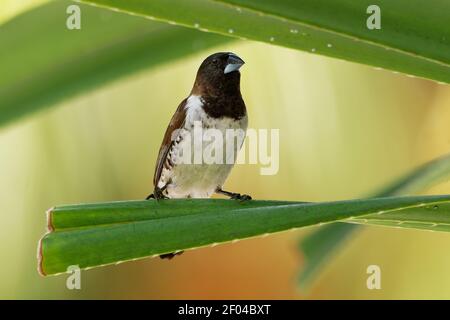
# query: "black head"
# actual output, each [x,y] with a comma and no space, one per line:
[219,73]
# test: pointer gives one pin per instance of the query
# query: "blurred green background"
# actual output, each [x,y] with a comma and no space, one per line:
[345,131]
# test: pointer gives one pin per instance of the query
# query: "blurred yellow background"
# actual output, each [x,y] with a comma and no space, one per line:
[345,131]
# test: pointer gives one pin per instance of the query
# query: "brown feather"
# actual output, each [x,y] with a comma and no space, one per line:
[177,122]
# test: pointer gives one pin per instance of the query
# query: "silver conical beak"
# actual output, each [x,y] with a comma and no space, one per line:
[234,63]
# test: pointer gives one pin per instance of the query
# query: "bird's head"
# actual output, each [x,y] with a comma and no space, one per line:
[218,73]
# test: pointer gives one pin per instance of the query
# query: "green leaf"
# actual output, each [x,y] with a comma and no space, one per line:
[414,37]
[76,216]
[137,229]
[43,63]
[422,178]
[321,245]
[432,218]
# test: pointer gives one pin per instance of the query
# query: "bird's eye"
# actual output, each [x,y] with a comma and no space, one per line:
[215,61]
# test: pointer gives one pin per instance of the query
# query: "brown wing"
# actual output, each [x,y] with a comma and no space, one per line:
[176,122]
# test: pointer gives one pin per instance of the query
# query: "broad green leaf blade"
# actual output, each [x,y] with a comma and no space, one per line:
[43,63]
[431,217]
[129,239]
[321,245]
[414,37]
[77,216]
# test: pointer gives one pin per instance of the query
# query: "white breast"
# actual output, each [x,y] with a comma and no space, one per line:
[198,180]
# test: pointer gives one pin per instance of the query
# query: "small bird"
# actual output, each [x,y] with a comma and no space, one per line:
[215,102]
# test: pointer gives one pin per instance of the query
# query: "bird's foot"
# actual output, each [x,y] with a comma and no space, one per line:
[234,195]
[241,197]
[157,195]
[170,256]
